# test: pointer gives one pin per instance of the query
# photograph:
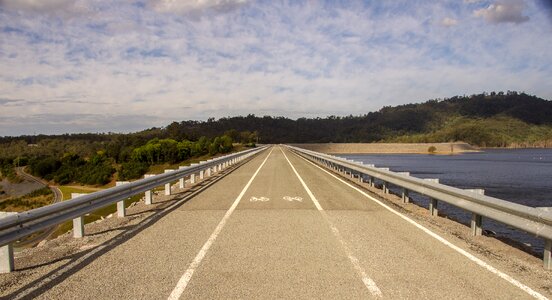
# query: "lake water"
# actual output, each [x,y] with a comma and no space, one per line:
[522,176]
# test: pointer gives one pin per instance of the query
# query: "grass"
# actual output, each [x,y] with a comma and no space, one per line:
[35,199]
[66,190]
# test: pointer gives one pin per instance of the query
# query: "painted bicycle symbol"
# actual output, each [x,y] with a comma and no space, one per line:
[261,199]
[291,199]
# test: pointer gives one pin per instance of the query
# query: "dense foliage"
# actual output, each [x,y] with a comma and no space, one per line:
[132,163]
[495,119]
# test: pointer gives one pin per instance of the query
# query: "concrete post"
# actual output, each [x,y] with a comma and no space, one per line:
[547,259]
[208,172]
[433,211]
[405,197]
[78,227]
[181,182]
[385,187]
[476,220]
[78,223]
[7,263]
[201,174]
[148,197]
[168,185]
[121,211]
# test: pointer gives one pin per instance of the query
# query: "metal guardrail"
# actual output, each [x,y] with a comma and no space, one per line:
[17,226]
[529,219]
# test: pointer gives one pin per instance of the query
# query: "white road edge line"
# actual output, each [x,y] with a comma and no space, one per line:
[368,282]
[185,279]
[470,256]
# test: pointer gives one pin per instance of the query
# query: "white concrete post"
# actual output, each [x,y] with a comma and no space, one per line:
[433,210]
[208,172]
[476,223]
[168,185]
[201,174]
[405,198]
[148,197]
[385,187]
[7,263]
[547,258]
[181,182]
[121,211]
[78,223]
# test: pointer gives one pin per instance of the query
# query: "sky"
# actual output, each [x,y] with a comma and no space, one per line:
[69,66]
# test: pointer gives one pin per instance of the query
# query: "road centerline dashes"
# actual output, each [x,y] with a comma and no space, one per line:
[368,282]
[185,279]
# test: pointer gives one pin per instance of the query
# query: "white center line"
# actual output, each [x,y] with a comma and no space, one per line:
[185,279]
[470,256]
[368,282]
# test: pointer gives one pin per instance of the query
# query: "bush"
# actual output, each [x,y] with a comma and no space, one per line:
[132,170]
[431,149]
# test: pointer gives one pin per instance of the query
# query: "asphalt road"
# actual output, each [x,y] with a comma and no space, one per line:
[281,227]
[58,196]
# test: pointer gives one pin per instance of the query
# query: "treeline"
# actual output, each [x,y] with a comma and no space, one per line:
[99,168]
[483,120]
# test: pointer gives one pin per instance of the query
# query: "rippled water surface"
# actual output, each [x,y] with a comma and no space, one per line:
[522,176]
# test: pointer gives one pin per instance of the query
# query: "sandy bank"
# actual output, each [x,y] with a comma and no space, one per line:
[362,148]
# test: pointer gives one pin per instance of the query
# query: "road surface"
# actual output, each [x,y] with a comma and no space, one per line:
[281,227]
[58,196]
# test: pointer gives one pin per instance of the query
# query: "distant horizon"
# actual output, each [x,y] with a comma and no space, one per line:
[100,66]
[256,115]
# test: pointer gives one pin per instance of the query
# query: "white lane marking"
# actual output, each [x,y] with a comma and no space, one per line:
[291,199]
[368,282]
[470,256]
[257,199]
[185,279]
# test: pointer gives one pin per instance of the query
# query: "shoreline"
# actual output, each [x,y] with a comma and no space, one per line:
[390,148]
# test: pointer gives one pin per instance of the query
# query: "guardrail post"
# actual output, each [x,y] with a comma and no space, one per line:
[433,211]
[168,185]
[7,263]
[78,222]
[405,197]
[148,195]
[201,176]
[476,223]
[547,259]
[208,172]
[181,182]
[385,187]
[121,211]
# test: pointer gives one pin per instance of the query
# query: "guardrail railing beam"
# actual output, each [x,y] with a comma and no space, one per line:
[536,221]
[23,224]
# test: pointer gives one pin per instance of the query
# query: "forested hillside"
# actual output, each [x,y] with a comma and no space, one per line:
[492,120]
[489,120]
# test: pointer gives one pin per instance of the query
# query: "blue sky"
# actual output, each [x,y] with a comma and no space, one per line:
[99,66]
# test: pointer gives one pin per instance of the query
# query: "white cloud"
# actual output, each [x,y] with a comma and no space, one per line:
[292,59]
[449,22]
[190,6]
[504,11]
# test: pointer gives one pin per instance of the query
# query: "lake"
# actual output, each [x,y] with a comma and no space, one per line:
[522,176]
